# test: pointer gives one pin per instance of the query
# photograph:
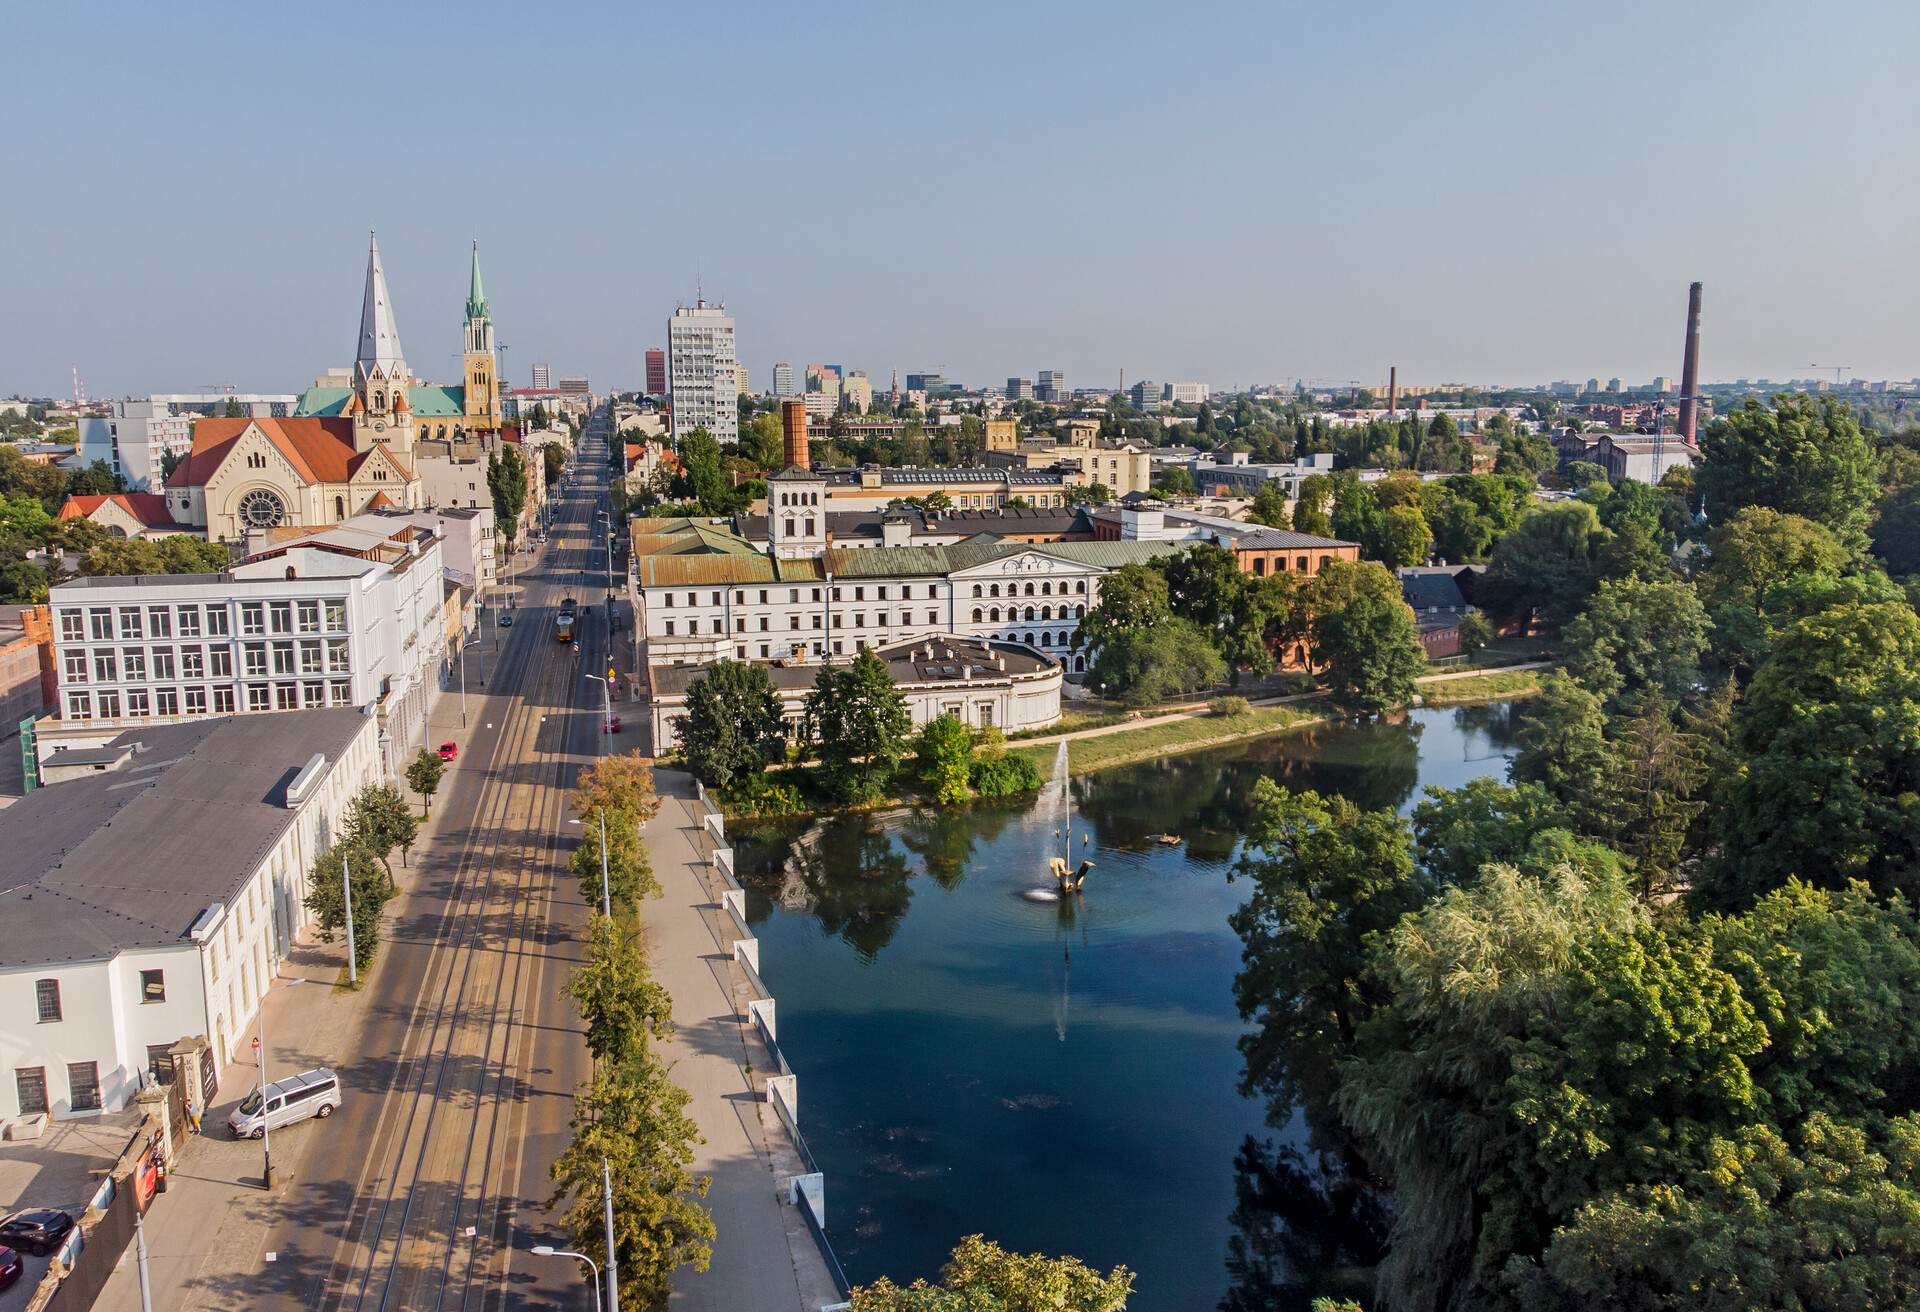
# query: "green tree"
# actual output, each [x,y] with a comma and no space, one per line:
[553,461]
[945,755]
[733,726]
[623,1006]
[380,821]
[1174,657]
[1636,639]
[1830,732]
[341,865]
[1403,537]
[1896,532]
[763,443]
[1475,633]
[423,776]
[1800,455]
[634,1119]
[1583,473]
[983,1277]
[1363,636]
[1311,504]
[1564,749]
[1327,878]
[1091,494]
[1270,506]
[630,874]
[1545,569]
[1132,598]
[1459,831]
[702,479]
[1759,547]
[507,483]
[857,723]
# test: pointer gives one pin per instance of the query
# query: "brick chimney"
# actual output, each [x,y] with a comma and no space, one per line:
[793,428]
[1690,369]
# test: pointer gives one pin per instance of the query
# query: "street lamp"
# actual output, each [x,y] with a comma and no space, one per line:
[548,1250]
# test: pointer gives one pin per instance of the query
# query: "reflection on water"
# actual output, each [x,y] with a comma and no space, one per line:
[1063,1076]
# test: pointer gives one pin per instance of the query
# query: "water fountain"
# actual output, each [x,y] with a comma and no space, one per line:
[1057,800]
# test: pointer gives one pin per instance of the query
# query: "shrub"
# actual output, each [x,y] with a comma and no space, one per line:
[761,794]
[1228,706]
[1007,776]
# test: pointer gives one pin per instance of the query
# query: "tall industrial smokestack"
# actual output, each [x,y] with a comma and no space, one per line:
[793,433]
[1690,368]
[1393,389]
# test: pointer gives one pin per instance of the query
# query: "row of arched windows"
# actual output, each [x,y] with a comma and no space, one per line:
[992,614]
[1045,589]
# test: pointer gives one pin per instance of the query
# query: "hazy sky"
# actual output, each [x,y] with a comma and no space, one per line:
[1503,192]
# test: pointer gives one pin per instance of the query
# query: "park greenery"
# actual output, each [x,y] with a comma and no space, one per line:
[38,550]
[1636,1027]
[629,1119]
[981,1276]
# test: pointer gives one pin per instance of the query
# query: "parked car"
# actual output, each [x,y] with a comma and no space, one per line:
[613,724]
[449,751]
[10,1267]
[38,1230]
[506,621]
[311,1094]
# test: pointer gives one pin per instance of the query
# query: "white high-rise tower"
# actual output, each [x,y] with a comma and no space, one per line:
[703,372]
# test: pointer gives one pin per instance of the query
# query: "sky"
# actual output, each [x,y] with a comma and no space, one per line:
[1230,193]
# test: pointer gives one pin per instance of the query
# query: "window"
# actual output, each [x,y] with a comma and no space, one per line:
[159,622]
[106,669]
[197,701]
[669,628]
[83,1085]
[341,692]
[80,706]
[153,986]
[129,621]
[46,995]
[166,701]
[286,696]
[30,1084]
[73,667]
[254,659]
[693,626]
[189,621]
[1303,564]
[309,617]
[193,663]
[137,701]
[217,622]
[223,701]
[933,617]
[283,658]
[73,626]
[1259,566]
[816,621]
[258,698]
[335,615]
[281,615]
[109,704]
[220,662]
[100,622]
[253,619]
[337,656]
[160,1062]
[313,693]
[162,664]
[136,662]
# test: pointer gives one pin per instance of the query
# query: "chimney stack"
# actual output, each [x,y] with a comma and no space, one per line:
[1393,389]
[1690,368]
[793,428]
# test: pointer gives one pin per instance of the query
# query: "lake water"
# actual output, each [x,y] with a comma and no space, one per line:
[1063,1078]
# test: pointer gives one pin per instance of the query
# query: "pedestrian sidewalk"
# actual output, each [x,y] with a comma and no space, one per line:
[764,1257]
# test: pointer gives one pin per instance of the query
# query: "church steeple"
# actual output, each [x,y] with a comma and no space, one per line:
[476,298]
[380,407]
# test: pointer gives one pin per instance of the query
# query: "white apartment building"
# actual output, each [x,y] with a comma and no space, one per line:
[783,383]
[139,433]
[1186,393]
[323,621]
[151,898]
[701,372]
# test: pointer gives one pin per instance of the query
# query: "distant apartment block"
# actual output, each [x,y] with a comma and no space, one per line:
[656,371]
[1051,387]
[1145,395]
[542,377]
[1020,389]
[701,372]
[1186,393]
[783,383]
[573,385]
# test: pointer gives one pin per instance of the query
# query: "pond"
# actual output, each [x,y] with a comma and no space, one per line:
[1063,1078]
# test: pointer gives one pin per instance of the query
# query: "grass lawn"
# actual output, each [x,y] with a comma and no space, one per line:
[1493,686]
[1153,740]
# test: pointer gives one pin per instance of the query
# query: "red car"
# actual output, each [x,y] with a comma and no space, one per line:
[10,1267]
[449,751]
[613,724]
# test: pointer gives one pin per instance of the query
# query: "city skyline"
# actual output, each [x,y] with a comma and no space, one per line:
[1306,214]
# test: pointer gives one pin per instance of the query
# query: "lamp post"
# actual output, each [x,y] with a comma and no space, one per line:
[548,1250]
[613,1263]
[266,1104]
[346,894]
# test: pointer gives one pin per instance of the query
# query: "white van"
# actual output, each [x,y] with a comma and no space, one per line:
[313,1093]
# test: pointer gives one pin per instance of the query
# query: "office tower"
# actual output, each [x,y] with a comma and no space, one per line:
[656,371]
[700,372]
[542,377]
[574,385]
[856,393]
[1145,394]
[1051,387]
[1186,393]
[1020,389]
[783,380]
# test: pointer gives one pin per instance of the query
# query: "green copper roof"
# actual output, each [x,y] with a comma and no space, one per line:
[476,298]
[429,401]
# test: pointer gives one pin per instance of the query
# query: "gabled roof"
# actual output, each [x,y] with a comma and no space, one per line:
[149,508]
[320,450]
[428,400]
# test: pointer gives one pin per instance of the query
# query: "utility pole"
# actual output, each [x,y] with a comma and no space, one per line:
[266,1103]
[346,892]
[613,1263]
[140,1254]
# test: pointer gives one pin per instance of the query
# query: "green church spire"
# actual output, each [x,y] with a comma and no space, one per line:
[476,298]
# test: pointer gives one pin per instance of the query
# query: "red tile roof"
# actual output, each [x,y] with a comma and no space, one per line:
[321,450]
[149,508]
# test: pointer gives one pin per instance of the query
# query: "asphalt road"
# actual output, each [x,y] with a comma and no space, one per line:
[433,1184]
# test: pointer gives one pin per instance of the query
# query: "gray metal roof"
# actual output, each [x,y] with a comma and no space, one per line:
[129,858]
[907,663]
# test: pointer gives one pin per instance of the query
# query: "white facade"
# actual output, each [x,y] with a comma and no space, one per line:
[1187,393]
[298,626]
[701,377]
[139,433]
[783,384]
[118,1011]
[466,536]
